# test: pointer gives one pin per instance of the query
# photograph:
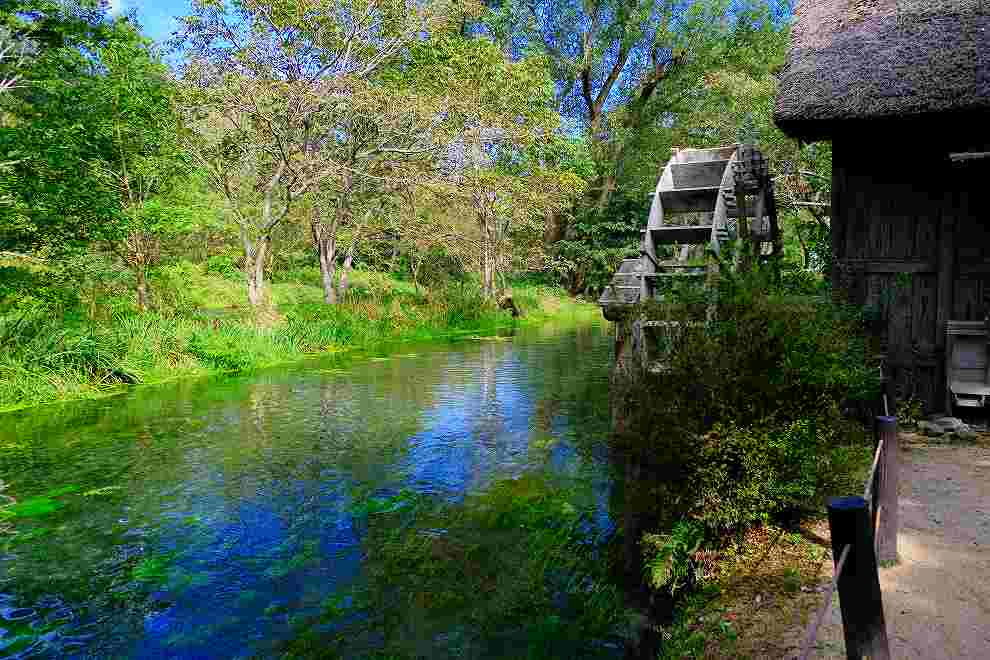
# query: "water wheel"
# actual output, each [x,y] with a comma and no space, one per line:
[705,199]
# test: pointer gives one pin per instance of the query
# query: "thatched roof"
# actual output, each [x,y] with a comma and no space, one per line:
[856,60]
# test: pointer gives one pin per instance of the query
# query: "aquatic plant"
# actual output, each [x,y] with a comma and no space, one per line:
[511,570]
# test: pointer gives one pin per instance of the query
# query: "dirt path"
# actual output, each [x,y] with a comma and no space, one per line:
[937,599]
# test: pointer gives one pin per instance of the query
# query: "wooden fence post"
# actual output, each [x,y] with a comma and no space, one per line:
[886,490]
[859,583]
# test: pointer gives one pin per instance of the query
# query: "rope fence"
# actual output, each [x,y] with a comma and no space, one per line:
[812,636]
[862,538]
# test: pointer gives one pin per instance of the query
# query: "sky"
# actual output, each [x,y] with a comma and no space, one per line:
[157,17]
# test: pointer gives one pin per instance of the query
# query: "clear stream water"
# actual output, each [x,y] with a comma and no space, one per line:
[209,518]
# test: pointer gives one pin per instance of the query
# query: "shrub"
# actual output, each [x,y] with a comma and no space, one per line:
[224,349]
[224,265]
[671,565]
[464,304]
[743,421]
[770,470]
[171,286]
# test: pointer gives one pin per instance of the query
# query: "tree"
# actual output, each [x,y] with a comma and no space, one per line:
[623,68]
[504,114]
[142,125]
[387,137]
[269,80]
[53,197]
[14,55]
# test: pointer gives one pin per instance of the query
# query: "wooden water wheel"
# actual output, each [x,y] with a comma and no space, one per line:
[706,198]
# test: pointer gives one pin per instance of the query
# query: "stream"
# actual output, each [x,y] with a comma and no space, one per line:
[444,500]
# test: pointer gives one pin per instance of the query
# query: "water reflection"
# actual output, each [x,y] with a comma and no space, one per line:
[215,518]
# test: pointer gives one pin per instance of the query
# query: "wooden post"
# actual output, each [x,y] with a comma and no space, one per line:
[886,489]
[859,583]
[946,279]
[778,243]
[838,220]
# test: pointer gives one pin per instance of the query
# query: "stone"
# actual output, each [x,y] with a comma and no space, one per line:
[966,435]
[948,424]
[931,430]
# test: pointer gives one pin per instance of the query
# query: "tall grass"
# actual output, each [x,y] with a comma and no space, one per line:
[200,325]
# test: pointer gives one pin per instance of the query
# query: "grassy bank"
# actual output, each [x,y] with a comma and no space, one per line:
[200,325]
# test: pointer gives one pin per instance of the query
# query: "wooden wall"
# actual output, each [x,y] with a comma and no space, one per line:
[911,236]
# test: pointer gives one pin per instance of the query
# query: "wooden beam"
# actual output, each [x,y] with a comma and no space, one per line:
[946,276]
[701,174]
[972,269]
[839,217]
[690,200]
[878,266]
[972,155]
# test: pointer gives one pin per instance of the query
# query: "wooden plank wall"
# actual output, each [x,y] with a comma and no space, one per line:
[912,230]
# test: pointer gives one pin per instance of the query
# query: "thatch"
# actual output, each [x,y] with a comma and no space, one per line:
[863,60]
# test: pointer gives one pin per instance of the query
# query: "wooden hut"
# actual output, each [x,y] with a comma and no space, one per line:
[902,89]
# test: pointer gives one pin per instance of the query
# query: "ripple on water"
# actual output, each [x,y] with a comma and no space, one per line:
[17,613]
[225,508]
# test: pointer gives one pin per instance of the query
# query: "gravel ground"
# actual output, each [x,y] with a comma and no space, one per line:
[937,599]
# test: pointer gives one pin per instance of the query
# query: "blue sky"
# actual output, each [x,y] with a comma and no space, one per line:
[157,17]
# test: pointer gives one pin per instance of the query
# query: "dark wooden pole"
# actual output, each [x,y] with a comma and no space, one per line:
[886,488]
[859,582]
[946,279]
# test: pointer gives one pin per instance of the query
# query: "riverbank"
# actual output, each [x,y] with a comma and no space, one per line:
[200,326]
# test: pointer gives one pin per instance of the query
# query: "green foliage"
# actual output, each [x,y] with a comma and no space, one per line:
[522,544]
[597,243]
[464,304]
[76,346]
[222,264]
[686,638]
[670,565]
[765,471]
[910,411]
[744,421]
[226,349]
[52,144]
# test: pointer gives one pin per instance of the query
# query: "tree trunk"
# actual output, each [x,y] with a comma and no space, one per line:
[325,240]
[327,250]
[254,265]
[345,273]
[804,246]
[140,252]
[325,237]
[142,288]
[487,257]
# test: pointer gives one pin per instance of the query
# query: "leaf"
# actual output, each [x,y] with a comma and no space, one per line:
[33,508]
[62,490]
[105,490]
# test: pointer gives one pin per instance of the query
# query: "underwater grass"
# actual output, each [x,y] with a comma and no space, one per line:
[514,571]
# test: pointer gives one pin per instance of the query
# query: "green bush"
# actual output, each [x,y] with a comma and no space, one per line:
[463,304]
[171,286]
[671,565]
[770,470]
[223,349]
[224,265]
[743,421]
[802,282]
